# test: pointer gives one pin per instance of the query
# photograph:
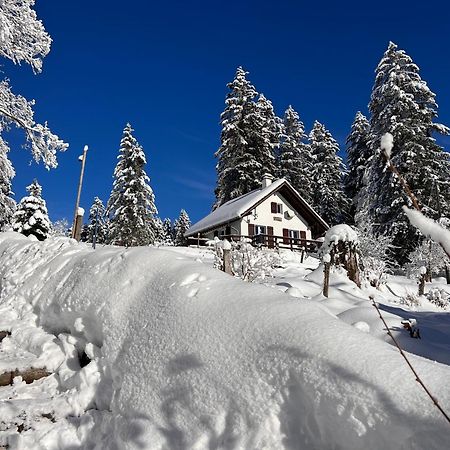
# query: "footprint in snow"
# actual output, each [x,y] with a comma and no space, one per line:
[193,278]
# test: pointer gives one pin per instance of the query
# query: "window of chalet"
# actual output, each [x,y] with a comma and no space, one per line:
[289,235]
[276,208]
[260,229]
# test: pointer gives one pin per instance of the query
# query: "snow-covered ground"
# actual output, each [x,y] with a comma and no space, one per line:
[177,355]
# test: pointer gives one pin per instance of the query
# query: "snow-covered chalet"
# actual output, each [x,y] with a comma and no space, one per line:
[273,215]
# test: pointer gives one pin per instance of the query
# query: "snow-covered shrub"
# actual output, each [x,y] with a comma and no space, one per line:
[411,299]
[439,297]
[60,228]
[428,254]
[375,271]
[374,255]
[248,263]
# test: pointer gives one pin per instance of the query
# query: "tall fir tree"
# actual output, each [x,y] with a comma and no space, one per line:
[131,206]
[31,216]
[358,158]
[181,225]
[328,195]
[7,203]
[97,223]
[250,133]
[168,235]
[295,162]
[403,105]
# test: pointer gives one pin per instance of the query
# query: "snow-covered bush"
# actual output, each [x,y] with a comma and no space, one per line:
[411,299]
[248,263]
[439,297]
[428,254]
[374,255]
[60,228]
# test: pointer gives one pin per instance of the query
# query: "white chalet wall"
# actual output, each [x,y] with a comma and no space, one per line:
[264,216]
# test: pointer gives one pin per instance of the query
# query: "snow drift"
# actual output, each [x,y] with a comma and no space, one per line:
[184,356]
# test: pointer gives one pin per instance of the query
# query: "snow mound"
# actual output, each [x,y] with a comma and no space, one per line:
[235,365]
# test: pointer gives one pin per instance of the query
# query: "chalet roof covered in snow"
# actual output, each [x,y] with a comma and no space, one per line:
[241,206]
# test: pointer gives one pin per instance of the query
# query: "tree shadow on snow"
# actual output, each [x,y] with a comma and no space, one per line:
[434,330]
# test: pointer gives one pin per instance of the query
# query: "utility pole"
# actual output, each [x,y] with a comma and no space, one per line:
[80,183]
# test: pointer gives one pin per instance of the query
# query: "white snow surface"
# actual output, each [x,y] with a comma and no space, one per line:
[184,356]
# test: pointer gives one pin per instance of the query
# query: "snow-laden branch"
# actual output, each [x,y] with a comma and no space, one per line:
[428,227]
[41,141]
[22,35]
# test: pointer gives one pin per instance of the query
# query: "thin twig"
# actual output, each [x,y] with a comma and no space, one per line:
[418,379]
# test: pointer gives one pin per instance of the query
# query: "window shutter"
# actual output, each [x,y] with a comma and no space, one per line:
[285,236]
[302,234]
[251,229]
[270,240]
[273,207]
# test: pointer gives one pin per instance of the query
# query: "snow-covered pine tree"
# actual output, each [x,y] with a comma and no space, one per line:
[31,216]
[168,235]
[264,136]
[159,231]
[131,206]
[97,222]
[181,225]
[403,105]
[7,203]
[249,134]
[328,195]
[358,155]
[295,162]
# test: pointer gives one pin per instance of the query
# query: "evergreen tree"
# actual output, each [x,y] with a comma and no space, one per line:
[358,155]
[31,216]
[403,105]
[181,225]
[328,196]
[7,203]
[168,236]
[131,206]
[97,223]
[250,133]
[295,162]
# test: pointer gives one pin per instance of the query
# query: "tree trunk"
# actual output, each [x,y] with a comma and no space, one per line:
[422,284]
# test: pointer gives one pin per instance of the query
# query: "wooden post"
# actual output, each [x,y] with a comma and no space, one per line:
[326,278]
[80,183]
[198,240]
[447,273]
[227,268]
[77,228]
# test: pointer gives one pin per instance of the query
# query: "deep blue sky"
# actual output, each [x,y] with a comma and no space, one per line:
[163,66]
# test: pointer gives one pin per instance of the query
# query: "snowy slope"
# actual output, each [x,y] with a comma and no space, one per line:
[184,356]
